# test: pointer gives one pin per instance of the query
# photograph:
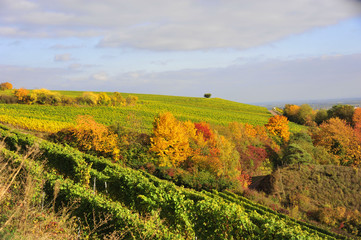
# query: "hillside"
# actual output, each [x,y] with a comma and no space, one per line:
[214,111]
[142,137]
[326,193]
[142,206]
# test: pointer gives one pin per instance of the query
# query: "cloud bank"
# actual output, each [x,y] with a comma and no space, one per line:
[272,80]
[171,25]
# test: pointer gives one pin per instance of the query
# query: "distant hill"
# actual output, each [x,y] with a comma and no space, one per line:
[315,104]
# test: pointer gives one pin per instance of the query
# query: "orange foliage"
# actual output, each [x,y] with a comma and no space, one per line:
[89,135]
[340,139]
[292,110]
[6,85]
[205,129]
[278,126]
[356,119]
[206,153]
[195,147]
[21,94]
[250,131]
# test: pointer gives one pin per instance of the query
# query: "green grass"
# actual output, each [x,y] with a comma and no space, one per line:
[214,111]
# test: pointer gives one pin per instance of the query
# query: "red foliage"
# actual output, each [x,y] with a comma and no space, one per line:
[245,180]
[205,129]
[257,155]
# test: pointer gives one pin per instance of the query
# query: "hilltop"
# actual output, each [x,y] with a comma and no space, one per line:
[214,111]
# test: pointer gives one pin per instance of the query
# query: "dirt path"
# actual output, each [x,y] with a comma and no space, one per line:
[273,112]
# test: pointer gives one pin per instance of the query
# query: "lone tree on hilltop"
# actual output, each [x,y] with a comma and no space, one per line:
[207,95]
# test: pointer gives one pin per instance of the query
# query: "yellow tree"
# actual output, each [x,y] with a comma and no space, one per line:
[170,140]
[278,126]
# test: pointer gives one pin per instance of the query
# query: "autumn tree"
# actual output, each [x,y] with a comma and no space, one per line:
[340,139]
[89,98]
[217,154]
[44,96]
[291,112]
[21,94]
[104,99]
[206,153]
[255,148]
[356,119]
[170,140]
[305,115]
[278,126]
[6,86]
[118,99]
[90,136]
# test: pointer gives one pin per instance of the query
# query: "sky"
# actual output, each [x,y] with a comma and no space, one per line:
[240,50]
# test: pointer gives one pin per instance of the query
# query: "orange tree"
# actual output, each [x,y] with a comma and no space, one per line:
[21,94]
[356,119]
[5,86]
[340,139]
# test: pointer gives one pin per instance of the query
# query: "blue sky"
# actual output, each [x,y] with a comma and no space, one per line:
[245,51]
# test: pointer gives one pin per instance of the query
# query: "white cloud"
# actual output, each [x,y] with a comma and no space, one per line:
[75,66]
[61,46]
[101,76]
[172,25]
[62,57]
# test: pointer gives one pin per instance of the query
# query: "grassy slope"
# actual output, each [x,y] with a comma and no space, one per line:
[215,111]
[323,184]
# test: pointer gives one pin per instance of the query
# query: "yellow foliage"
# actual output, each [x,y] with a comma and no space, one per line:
[278,126]
[170,140]
[90,98]
[44,96]
[104,99]
[293,109]
[250,131]
[228,158]
[93,136]
[41,125]
[340,139]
